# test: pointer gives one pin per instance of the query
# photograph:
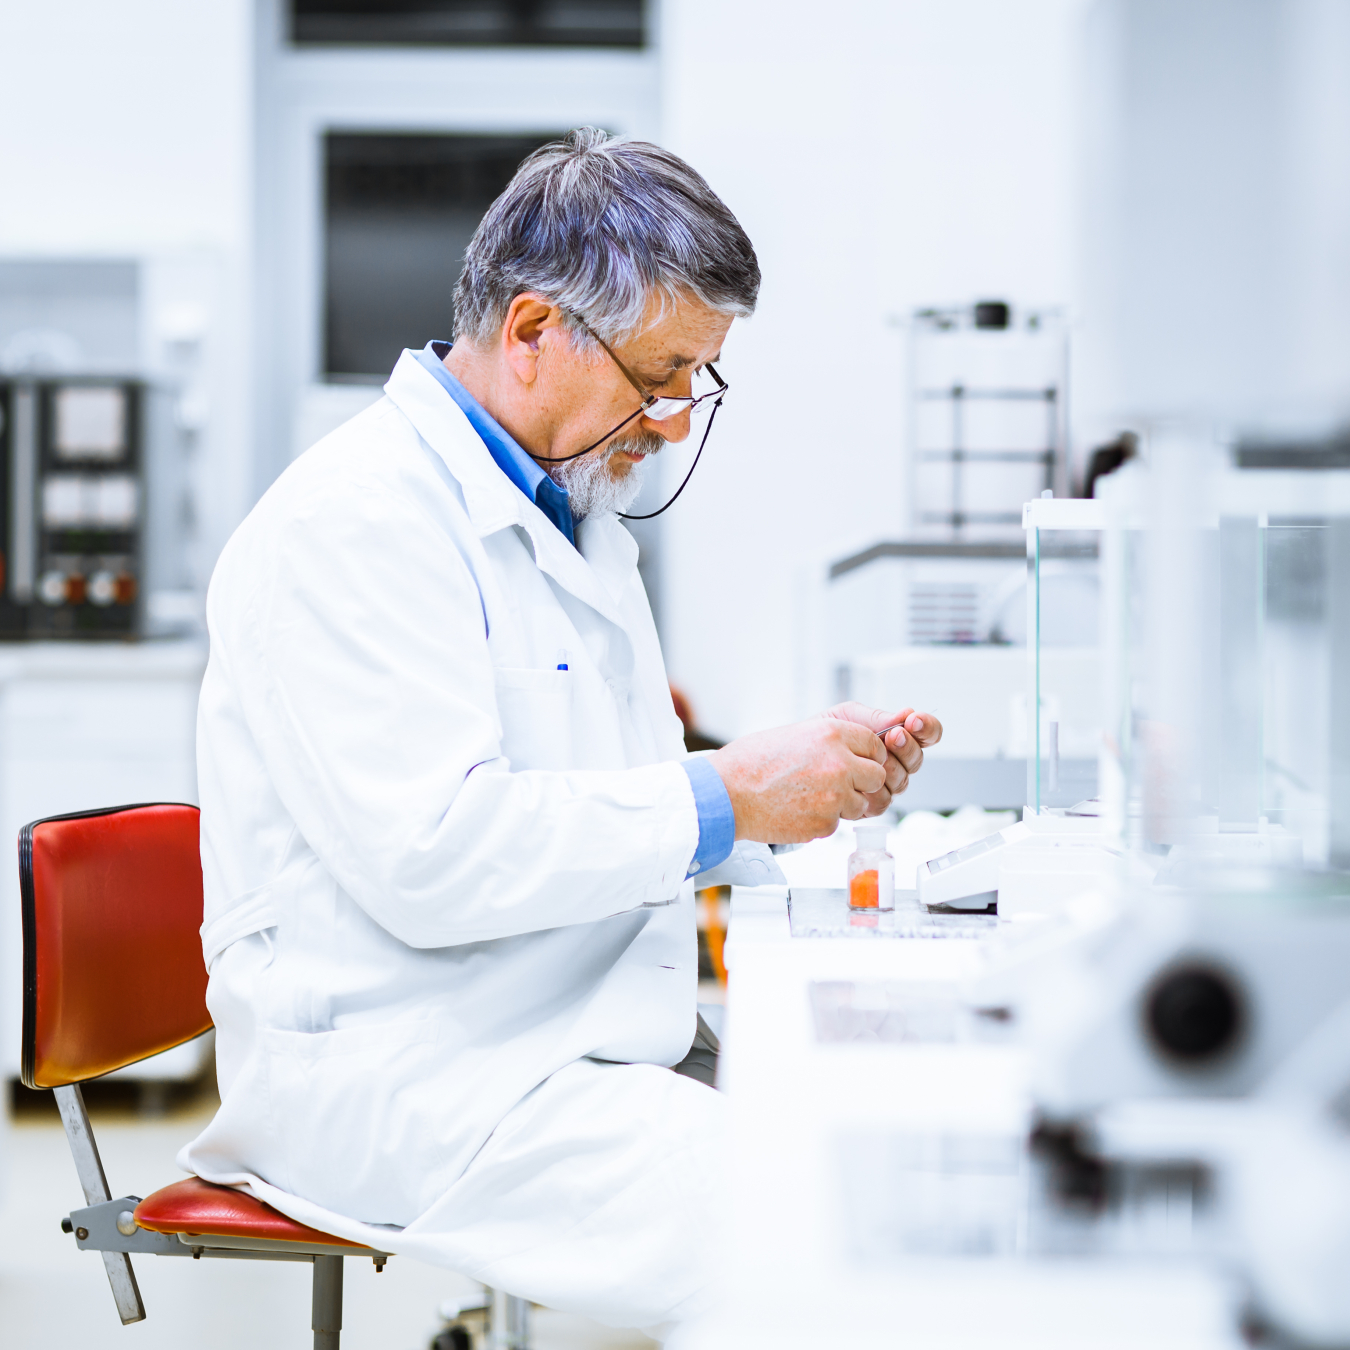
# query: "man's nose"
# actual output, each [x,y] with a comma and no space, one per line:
[671,429]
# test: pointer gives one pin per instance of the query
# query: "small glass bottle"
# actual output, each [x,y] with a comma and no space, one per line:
[871,870]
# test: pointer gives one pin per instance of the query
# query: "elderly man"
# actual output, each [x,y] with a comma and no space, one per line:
[449,829]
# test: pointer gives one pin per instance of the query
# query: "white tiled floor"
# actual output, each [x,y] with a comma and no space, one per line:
[53,1296]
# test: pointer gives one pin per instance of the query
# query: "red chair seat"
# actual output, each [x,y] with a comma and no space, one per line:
[201,1209]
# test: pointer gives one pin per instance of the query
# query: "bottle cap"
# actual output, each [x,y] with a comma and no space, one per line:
[872,835]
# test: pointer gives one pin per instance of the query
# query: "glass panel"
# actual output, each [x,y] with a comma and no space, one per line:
[1228,635]
[1295,702]
[1064,605]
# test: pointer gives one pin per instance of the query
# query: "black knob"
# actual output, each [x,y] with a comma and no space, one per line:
[992,314]
[1194,1013]
[67,1226]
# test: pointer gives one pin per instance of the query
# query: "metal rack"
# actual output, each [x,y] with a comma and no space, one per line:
[958,455]
[964,389]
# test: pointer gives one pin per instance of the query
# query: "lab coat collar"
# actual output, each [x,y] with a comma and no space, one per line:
[601,565]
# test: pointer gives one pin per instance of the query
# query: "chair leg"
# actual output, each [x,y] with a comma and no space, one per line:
[509,1322]
[518,1322]
[89,1168]
[327,1318]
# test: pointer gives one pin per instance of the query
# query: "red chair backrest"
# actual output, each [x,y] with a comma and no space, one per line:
[112,953]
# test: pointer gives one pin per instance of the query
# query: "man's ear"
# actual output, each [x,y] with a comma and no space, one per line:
[528,319]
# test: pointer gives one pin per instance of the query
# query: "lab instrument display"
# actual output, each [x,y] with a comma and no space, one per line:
[88,509]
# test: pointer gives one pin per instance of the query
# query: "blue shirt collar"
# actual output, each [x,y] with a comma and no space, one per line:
[551,499]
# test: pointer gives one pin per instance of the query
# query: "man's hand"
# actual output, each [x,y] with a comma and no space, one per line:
[904,744]
[793,783]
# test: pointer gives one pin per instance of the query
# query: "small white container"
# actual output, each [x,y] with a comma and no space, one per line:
[871,871]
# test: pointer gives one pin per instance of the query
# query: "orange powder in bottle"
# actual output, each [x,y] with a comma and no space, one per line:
[864,889]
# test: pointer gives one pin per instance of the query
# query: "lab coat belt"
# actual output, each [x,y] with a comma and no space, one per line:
[251,913]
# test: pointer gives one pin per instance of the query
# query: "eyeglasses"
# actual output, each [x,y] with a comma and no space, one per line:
[659,409]
[663,408]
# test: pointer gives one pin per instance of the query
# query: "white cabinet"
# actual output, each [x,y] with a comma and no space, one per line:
[82,726]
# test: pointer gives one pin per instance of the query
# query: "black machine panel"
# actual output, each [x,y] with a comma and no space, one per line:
[74,508]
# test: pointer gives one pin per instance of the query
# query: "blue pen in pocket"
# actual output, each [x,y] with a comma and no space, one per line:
[562,658]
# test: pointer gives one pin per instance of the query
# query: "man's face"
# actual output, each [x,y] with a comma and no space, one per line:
[584,397]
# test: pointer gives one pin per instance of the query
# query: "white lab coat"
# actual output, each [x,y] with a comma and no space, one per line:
[445,879]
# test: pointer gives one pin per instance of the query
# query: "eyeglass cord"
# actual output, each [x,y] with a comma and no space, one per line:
[651,515]
[594,445]
[562,459]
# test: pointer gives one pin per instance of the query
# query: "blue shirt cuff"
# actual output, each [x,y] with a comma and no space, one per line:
[716,819]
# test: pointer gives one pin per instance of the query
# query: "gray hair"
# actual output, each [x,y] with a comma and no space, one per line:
[598,225]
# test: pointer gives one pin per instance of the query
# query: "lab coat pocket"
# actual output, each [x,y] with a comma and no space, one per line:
[535,707]
[367,1116]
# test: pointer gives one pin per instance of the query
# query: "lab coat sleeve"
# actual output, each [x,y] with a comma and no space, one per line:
[358,644]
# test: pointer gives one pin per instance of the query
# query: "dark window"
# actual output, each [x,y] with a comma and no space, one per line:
[400,211]
[469,23]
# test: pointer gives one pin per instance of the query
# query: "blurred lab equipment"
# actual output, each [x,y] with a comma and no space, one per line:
[106,380]
[988,410]
[1106,459]
[1171,946]
[1002,635]
[1033,868]
[1217,955]
[1185,1017]
[1064,718]
[71,457]
[938,617]
[694,738]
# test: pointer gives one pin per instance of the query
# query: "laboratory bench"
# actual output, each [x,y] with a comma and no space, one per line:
[879,1188]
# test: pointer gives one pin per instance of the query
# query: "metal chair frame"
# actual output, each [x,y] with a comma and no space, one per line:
[109,1226]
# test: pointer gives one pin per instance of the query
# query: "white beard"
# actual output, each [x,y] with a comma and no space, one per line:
[592,489]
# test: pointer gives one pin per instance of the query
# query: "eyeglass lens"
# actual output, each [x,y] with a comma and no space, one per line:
[702,387]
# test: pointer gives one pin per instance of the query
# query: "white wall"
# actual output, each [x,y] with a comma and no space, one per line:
[1218,214]
[882,154]
[304,93]
[124,132]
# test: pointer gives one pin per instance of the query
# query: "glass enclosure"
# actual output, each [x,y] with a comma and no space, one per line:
[1064,677]
[1226,634]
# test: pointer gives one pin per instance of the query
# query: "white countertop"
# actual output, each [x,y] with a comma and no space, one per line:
[813,1124]
[151,658]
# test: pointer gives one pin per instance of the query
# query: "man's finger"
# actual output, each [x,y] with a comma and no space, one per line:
[868,776]
[864,743]
[874,719]
[924,727]
[905,748]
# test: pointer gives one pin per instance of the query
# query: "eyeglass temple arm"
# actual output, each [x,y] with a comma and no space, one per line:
[647,398]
